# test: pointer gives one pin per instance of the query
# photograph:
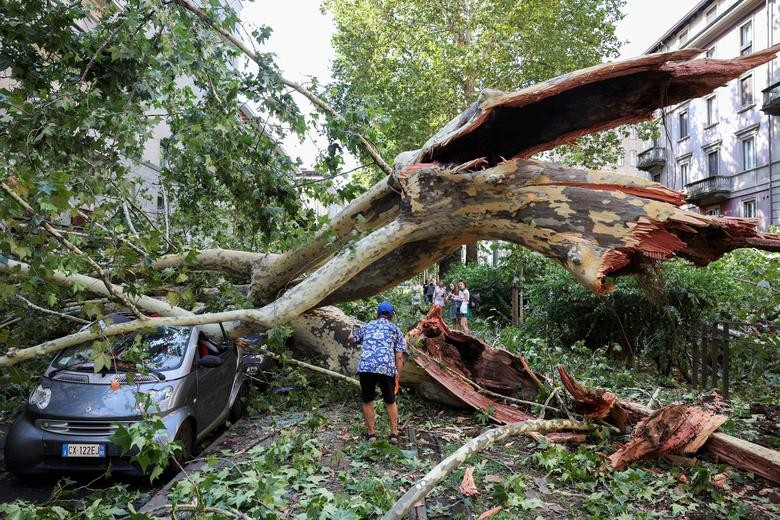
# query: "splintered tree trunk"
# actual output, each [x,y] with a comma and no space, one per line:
[664,433]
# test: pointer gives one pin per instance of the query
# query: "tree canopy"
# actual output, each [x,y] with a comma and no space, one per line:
[410,66]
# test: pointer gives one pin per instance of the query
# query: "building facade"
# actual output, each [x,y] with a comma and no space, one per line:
[723,150]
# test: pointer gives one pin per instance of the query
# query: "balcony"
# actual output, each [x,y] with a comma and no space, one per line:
[709,190]
[651,158]
[771,105]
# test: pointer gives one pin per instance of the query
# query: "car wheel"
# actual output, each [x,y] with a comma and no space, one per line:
[186,436]
[238,409]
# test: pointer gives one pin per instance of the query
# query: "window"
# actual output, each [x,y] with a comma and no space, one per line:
[713,212]
[682,119]
[746,39]
[746,91]
[710,14]
[657,178]
[621,160]
[682,38]
[165,151]
[632,158]
[711,52]
[712,110]
[749,208]
[684,169]
[749,153]
[712,163]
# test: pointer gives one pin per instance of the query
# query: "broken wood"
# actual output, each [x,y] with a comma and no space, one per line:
[424,486]
[566,437]
[741,454]
[674,429]
[467,486]
[467,366]
[598,403]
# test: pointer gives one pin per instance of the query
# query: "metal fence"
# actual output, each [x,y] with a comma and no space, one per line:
[728,352]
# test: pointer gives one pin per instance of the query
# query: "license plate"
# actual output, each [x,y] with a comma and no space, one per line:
[84,450]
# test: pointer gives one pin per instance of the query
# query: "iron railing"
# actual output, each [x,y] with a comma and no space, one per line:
[651,158]
[707,187]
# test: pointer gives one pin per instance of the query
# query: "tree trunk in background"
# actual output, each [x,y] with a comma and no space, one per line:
[472,253]
[448,262]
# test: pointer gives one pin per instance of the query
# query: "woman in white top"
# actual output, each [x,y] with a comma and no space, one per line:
[439,294]
[463,312]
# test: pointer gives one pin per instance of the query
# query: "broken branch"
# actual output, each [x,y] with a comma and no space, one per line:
[72,247]
[62,315]
[424,486]
[313,368]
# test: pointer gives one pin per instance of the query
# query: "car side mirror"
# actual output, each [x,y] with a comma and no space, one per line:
[210,361]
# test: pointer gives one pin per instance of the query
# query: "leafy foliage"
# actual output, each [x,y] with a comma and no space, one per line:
[410,66]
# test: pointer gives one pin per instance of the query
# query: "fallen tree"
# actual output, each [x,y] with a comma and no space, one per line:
[473,180]
[458,188]
[461,370]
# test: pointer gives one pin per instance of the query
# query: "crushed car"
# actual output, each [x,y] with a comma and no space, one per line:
[195,385]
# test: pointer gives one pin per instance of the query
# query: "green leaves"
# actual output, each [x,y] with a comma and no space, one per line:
[406,67]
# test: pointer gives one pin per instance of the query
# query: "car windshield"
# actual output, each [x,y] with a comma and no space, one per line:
[165,349]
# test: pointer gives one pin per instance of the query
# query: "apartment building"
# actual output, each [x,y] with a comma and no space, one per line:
[723,149]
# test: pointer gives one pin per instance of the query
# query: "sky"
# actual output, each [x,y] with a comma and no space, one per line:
[302,33]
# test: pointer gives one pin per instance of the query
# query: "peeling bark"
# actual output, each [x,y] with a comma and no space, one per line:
[674,429]
[598,403]
[465,365]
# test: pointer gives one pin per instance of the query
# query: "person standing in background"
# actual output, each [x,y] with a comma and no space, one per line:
[463,310]
[453,298]
[439,294]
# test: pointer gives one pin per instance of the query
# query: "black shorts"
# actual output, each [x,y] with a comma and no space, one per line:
[368,382]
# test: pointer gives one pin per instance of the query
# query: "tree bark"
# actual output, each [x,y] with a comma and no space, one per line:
[739,453]
[472,253]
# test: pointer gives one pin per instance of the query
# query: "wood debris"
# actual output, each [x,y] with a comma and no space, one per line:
[468,487]
[675,429]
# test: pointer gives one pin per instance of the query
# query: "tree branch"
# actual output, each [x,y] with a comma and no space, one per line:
[14,356]
[313,368]
[369,147]
[72,247]
[92,285]
[32,306]
[372,209]
[425,485]
[240,262]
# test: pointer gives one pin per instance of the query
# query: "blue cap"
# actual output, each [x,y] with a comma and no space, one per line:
[385,308]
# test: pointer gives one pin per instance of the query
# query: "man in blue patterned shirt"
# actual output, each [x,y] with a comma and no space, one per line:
[381,360]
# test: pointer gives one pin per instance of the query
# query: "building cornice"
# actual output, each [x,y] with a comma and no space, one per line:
[704,37]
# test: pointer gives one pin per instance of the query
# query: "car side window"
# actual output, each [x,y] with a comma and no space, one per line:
[206,347]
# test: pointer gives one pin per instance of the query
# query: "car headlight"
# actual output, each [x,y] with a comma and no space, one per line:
[252,370]
[163,395]
[40,397]
[154,400]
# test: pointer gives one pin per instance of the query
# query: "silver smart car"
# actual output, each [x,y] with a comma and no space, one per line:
[195,384]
